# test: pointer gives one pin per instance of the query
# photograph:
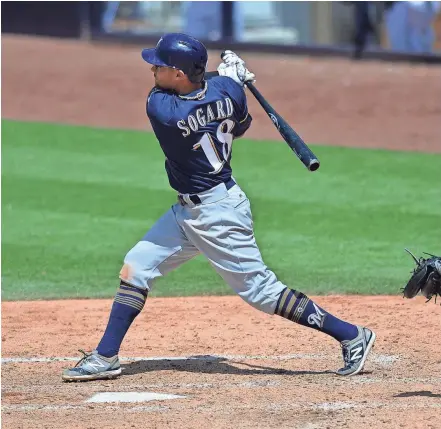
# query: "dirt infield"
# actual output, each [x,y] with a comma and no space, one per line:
[274,374]
[234,366]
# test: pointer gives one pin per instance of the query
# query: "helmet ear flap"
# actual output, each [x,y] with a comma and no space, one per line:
[198,73]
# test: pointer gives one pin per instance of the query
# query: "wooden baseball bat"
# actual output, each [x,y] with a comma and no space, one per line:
[295,142]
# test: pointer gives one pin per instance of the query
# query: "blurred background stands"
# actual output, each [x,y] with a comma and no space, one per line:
[333,27]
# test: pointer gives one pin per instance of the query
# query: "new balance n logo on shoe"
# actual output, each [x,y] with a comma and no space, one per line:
[356,353]
[96,364]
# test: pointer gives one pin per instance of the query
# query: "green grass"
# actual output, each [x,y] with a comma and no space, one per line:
[76,199]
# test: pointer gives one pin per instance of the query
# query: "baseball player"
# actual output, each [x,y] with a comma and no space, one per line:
[196,116]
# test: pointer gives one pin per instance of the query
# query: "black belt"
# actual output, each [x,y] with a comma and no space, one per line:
[194,198]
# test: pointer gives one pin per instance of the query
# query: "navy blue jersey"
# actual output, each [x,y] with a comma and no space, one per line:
[196,135]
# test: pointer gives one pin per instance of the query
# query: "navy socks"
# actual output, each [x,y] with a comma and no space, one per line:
[128,303]
[299,308]
[292,305]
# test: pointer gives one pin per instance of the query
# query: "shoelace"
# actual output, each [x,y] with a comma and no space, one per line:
[85,356]
[346,355]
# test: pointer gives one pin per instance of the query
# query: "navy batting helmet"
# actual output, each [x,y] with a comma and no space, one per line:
[181,52]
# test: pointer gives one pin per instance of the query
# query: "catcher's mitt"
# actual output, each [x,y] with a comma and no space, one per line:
[426,277]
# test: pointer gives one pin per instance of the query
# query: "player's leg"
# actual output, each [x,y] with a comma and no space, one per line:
[230,246]
[356,341]
[162,249]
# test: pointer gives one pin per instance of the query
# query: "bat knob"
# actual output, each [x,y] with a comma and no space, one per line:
[314,164]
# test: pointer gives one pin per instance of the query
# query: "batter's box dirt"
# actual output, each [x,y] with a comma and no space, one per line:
[249,371]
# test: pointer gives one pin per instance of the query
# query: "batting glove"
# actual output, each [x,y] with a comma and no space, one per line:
[229,57]
[236,71]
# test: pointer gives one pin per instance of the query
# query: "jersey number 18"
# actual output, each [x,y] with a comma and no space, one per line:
[224,136]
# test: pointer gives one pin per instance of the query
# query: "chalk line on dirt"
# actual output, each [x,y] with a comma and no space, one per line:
[42,407]
[323,407]
[384,360]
